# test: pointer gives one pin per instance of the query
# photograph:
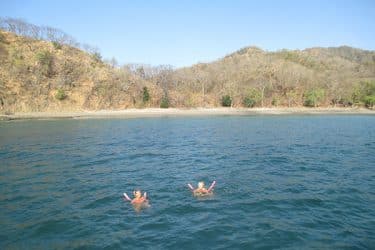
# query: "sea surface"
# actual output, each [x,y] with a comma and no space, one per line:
[283,182]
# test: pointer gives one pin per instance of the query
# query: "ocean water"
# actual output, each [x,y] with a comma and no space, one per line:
[283,182]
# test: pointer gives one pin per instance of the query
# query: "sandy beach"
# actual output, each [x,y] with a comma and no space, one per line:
[157,112]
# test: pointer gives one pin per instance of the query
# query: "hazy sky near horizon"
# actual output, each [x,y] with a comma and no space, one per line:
[182,33]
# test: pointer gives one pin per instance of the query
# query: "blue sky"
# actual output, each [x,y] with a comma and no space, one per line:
[182,33]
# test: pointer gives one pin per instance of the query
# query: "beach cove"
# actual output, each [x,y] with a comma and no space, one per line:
[159,112]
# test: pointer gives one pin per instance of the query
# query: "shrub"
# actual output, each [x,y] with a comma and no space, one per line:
[313,97]
[275,101]
[56,45]
[362,90]
[146,95]
[45,59]
[345,102]
[252,98]
[60,94]
[249,102]
[310,101]
[357,95]
[369,87]
[370,101]
[19,65]
[164,103]
[226,101]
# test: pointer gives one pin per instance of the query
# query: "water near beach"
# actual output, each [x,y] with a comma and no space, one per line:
[287,182]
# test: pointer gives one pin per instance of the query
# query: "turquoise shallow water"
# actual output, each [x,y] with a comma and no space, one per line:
[287,182]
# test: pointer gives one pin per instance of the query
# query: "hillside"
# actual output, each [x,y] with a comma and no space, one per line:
[41,75]
[283,78]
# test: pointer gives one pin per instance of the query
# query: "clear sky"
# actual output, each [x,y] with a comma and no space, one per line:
[181,32]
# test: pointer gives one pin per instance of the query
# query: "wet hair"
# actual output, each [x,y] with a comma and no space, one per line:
[137,190]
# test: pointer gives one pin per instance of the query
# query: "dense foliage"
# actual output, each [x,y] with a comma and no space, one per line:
[226,101]
[313,97]
[370,101]
[249,102]
[164,103]
[252,98]
[146,95]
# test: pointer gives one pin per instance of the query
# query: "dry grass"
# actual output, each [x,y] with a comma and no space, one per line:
[32,71]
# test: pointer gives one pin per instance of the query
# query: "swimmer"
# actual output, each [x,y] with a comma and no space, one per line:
[201,190]
[138,198]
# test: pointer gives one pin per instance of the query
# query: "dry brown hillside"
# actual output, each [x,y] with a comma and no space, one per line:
[329,76]
[38,74]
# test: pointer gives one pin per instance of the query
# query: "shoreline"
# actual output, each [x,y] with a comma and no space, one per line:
[174,112]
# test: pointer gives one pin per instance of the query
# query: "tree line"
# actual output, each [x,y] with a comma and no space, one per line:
[46,33]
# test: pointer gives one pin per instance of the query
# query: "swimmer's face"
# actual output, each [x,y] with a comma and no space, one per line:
[201,184]
[137,194]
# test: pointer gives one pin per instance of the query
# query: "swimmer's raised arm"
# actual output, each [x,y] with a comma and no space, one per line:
[191,187]
[127,197]
[212,186]
[145,195]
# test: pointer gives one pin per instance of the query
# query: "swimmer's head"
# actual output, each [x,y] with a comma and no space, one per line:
[201,184]
[137,193]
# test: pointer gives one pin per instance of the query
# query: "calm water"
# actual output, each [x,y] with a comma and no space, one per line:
[282,182]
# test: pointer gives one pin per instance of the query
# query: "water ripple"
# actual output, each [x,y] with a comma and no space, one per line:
[286,182]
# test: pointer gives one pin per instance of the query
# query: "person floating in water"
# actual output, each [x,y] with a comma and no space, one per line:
[201,190]
[138,198]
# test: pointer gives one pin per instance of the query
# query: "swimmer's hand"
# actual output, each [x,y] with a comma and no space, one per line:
[127,197]
[145,195]
[191,187]
[212,186]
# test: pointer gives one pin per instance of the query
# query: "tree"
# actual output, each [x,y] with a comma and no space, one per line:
[201,79]
[370,101]
[262,89]
[362,91]
[45,60]
[146,95]
[164,103]
[252,98]
[292,96]
[226,101]
[248,102]
[313,97]
[164,77]
[275,101]
[22,28]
